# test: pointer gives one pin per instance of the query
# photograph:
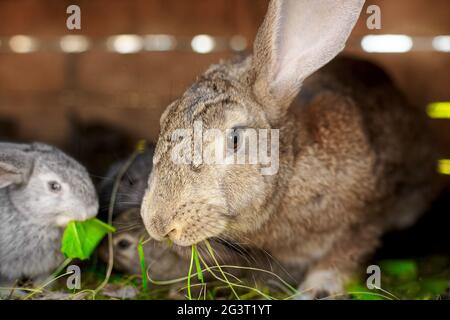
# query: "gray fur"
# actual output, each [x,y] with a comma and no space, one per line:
[32,217]
[132,186]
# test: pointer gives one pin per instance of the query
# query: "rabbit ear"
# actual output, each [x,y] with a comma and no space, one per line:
[15,165]
[297,38]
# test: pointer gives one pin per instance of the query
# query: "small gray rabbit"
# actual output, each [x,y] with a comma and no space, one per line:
[355,159]
[41,190]
[132,186]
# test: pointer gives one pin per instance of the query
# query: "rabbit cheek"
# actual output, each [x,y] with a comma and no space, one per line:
[34,202]
[247,193]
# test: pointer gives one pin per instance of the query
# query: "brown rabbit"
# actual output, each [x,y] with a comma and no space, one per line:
[354,158]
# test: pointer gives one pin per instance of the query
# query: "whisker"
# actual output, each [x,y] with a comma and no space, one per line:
[129,202]
[121,230]
[271,259]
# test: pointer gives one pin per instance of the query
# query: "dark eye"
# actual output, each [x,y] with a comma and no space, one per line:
[54,186]
[123,244]
[235,139]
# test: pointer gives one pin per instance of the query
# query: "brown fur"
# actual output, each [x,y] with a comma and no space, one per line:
[355,161]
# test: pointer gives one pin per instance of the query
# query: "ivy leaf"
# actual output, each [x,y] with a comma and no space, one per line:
[81,238]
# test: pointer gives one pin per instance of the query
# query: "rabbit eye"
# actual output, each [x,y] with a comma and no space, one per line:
[54,186]
[123,244]
[235,139]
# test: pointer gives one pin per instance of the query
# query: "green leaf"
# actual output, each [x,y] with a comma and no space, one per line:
[81,238]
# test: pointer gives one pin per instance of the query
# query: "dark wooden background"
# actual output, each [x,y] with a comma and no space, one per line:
[130,91]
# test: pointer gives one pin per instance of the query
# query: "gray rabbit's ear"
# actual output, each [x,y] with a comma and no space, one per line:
[297,38]
[15,166]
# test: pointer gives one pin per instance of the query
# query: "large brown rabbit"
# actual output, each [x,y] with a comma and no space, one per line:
[354,158]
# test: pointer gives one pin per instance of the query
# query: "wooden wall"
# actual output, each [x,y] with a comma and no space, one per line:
[130,91]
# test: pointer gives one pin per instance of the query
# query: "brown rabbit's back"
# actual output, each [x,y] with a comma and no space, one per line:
[363,160]
[370,113]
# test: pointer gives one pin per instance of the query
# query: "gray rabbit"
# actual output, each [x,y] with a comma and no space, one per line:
[41,190]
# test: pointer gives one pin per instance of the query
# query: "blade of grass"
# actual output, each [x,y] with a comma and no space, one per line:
[221,280]
[140,148]
[40,289]
[225,276]
[197,264]
[51,279]
[230,284]
[143,267]
[211,252]
[189,294]
[283,282]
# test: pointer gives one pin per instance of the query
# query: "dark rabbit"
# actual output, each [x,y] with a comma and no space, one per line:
[132,186]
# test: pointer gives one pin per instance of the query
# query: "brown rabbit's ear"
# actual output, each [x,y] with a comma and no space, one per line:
[297,38]
[164,116]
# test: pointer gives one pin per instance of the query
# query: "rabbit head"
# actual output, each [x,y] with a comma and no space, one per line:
[45,185]
[132,186]
[189,200]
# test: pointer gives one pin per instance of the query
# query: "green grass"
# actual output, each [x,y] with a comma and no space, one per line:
[418,279]
[410,279]
[142,263]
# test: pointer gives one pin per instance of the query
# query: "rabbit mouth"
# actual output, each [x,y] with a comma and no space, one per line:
[64,219]
[188,227]
[189,237]
[195,230]
[225,250]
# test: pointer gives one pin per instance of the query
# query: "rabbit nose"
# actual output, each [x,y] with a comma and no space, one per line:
[173,233]
[89,212]
[160,229]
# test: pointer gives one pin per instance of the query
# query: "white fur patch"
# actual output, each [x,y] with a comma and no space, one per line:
[326,281]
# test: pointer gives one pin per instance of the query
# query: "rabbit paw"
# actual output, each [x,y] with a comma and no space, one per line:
[321,285]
